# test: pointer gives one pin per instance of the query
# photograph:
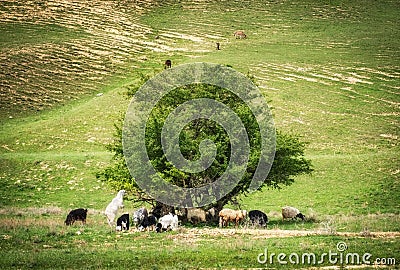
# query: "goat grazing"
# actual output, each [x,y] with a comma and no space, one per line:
[123,223]
[113,206]
[291,212]
[167,222]
[239,34]
[139,215]
[226,215]
[148,223]
[196,215]
[258,218]
[77,214]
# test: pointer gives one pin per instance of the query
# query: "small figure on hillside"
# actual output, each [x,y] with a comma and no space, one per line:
[218,46]
[239,34]
[167,64]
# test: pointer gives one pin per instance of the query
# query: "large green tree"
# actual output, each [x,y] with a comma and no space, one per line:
[288,162]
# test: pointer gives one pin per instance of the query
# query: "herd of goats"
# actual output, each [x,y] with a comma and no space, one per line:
[155,221]
[158,222]
[238,34]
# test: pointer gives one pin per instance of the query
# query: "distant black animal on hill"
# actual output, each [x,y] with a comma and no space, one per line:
[76,214]
[167,64]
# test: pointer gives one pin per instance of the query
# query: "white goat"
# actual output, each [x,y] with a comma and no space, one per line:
[113,206]
[169,221]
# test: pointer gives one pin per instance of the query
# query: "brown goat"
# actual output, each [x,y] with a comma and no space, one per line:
[239,34]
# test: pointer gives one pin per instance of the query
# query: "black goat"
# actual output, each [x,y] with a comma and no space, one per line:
[123,222]
[76,214]
[148,222]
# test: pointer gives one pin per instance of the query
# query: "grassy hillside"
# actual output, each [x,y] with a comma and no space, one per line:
[330,72]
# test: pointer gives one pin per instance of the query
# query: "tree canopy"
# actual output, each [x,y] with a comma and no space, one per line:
[289,160]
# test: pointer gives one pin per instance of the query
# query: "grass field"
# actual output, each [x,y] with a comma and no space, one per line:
[329,70]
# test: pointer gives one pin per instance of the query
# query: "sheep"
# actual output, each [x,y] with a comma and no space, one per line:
[258,217]
[196,215]
[239,34]
[123,223]
[76,214]
[113,206]
[167,222]
[291,212]
[226,215]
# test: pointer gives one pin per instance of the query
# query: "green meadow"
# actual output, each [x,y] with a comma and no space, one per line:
[330,71]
